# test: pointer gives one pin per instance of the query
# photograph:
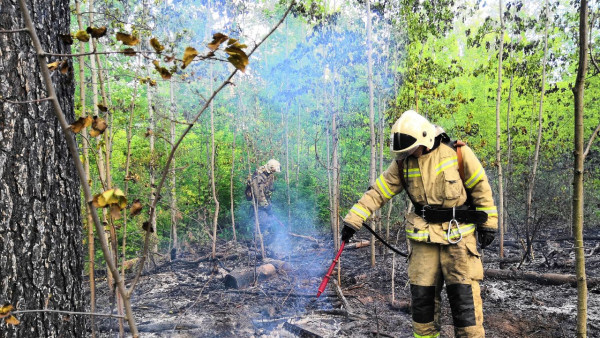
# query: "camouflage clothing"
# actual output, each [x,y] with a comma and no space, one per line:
[262,186]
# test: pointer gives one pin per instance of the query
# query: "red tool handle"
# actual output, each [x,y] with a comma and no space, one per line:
[328,275]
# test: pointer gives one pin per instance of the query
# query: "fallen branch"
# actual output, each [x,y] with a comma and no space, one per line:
[304,237]
[340,294]
[540,278]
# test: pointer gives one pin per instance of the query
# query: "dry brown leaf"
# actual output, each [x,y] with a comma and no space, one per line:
[52,66]
[110,197]
[188,56]
[128,51]
[136,208]
[238,62]
[164,72]
[81,123]
[148,132]
[12,320]
[146,226]
[98,126]
[5,310]
[82,36]
[96,32]
[64,67]
[102,108]
[127,39]
[218,39]
[169,58]
[115,211]
[156,45]
[66,38]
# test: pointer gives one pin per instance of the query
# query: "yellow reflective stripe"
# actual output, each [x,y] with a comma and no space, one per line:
[358,210]
[430,336]
[491,211]
[414,172]
[421,235]
[383,187]
[475,178]
[464,230]
[445,164]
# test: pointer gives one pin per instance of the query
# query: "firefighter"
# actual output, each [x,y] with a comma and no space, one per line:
[452,201]
[259,188]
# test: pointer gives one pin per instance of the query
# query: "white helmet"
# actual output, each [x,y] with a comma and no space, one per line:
[273,166]
[410,131]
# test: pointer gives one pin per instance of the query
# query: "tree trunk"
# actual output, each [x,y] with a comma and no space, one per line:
[40,219]
[508,184]
[174,211]
[528,222]
[498,150]
[372,163]
[232,205]
[578,91]
[213,176]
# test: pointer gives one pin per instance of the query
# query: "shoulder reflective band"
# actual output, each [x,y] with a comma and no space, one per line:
[402,141]
[446,164]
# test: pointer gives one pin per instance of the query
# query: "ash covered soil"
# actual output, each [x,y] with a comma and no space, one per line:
[188,296]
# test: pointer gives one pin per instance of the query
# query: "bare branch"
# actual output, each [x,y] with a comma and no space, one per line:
[589,145]
[25,102]
[13,31]
[70,313]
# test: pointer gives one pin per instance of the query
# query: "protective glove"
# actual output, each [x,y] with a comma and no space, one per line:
[347,233]
[486,237]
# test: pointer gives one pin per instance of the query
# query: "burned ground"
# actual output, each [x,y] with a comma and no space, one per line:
[188,297]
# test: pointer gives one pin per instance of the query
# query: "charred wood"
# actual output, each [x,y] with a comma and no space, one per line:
[301,330]
[245,277]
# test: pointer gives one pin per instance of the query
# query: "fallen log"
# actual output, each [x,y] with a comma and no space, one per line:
[245,277]
[540,278]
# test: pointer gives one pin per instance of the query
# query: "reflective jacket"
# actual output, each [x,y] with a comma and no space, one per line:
[262,185]
[432,179]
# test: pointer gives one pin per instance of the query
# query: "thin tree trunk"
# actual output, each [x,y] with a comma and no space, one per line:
[508,184]
[213,176]
[373,159]
[335,166]
[174,211]
[287,163]
[528,222]
[86,161]
[232,205]
[578,169]
[498,149]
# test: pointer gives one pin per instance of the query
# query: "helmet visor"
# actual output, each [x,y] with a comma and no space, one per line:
[402,141]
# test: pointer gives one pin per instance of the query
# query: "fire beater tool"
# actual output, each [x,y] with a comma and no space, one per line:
[328,274]
[339,253]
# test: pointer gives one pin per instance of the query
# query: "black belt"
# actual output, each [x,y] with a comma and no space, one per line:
[462,214]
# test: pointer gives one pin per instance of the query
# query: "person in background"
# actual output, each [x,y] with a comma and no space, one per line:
[452,201]
[259,188]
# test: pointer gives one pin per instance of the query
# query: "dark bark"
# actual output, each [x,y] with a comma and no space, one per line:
[40,222]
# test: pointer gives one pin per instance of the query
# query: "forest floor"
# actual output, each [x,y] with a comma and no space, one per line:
[188,297]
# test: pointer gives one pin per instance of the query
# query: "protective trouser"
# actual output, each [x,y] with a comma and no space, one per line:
[459,266]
